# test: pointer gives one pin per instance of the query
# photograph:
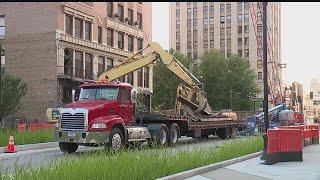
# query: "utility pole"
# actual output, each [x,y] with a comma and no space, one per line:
[1,54]
[265,80]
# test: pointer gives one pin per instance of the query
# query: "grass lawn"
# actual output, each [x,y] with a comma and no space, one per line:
[26,137]
[140,163]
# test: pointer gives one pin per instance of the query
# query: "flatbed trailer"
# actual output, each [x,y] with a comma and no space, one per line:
[223,127]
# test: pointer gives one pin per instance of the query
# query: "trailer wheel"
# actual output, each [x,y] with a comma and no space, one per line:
[116,140]
[174,134]
[162,135]
[68,147]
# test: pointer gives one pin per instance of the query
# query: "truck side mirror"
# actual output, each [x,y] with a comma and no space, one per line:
[75,94]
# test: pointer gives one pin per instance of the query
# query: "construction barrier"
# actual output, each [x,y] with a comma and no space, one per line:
[286,143]
[35,127]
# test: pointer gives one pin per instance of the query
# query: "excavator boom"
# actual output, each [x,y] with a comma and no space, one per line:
[189,99]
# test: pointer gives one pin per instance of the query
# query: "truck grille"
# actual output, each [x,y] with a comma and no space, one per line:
[74,122]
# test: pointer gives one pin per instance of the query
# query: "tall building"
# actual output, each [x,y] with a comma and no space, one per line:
[231,27]
[55,46]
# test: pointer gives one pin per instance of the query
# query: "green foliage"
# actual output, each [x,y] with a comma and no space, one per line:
[25,137]
[13,90]
[165,83]
[229,82]
[139,164]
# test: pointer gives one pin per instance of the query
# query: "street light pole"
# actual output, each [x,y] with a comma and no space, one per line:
[265,80]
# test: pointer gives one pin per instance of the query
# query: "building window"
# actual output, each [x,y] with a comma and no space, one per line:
[178,35]
[139,19]
[246,41]
[189,12]
[246,6]
[222,32]
[88,66]
[205,10]
[79,64]
[239,17]
[139,44]
[239,29]
[120,13]
[189,23]
[211,35]
[100,34]
[228,19]
[130,16]
[239,42]
[139,73]
[239,6]
[259,54]
[110,37]
[211,43]
[259,29]
[69,25]
[211,11]
[246,29]
[221,19]
[189,34]
[189,45]
[228,53]
[130,43]
[205,44]
[211,20]
[109,63]
[177,13]
[195,11]
[228,7]
[222,8]
[240,52]
[101,64]
[110,9]
[130,78]
[146,77]
[259,16]
[222,43]
[229,31]
[78,28]
[177,3]
[178,46]
[87,30]
[195,23]
[195,55]
[122,78]
[205,21]
[120,40]
[246,53]
[246,17]
[259,75]
[228,43]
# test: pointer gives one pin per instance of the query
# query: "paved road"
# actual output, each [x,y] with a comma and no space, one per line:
[253,169]
[36,158]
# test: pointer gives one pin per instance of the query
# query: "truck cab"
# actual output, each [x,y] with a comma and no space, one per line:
[101,115]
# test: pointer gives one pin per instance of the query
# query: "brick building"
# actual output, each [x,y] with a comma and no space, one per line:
[56,46]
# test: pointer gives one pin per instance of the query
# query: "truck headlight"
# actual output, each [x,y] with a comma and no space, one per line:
[57,125]
[98,126]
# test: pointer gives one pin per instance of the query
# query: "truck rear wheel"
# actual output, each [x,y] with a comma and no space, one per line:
[68,147]
[174,134]
[162,135]
[116,140]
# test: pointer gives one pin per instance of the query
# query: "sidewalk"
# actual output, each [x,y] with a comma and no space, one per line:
[252,169]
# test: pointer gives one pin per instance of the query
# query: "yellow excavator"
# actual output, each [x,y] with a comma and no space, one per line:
[190,100]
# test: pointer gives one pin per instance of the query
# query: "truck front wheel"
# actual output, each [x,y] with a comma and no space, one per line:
[68,147]
[116,139]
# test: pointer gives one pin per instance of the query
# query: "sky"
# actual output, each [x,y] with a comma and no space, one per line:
[300,38]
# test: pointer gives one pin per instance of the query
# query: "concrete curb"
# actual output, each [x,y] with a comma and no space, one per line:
[210,167]
[27,147]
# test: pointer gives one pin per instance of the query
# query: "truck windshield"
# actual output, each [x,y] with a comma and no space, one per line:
[102,93]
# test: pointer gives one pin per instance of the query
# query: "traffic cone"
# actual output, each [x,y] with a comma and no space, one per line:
[10,147]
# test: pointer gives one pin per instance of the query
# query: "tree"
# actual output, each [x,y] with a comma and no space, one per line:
[229,82]
[165,83]
[13,90]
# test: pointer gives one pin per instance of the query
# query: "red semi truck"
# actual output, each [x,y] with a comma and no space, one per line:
[106,113]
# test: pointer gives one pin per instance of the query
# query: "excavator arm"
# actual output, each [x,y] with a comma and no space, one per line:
[193,97]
